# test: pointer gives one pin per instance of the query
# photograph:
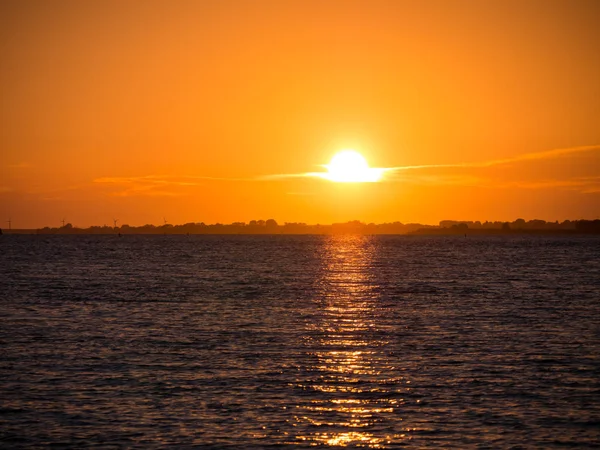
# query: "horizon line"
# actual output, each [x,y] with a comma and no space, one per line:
[277,224]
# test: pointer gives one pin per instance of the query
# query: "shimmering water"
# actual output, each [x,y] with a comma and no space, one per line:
[279,341]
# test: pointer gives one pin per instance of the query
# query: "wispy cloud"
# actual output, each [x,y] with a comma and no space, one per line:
[514,174]
[454,174]
[548,154]
[284,176]
[158,185]
[149,185]
[21,165]
[441,179]
[393,173]
[147,179]
[371,174]
[583,185]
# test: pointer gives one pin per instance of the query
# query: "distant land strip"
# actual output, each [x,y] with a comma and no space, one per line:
[445,227]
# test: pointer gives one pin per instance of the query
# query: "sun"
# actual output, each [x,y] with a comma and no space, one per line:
[349,166]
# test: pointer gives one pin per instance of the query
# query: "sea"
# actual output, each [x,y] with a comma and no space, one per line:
[251,342]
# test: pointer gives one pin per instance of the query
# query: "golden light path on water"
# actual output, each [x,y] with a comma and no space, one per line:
[354,391]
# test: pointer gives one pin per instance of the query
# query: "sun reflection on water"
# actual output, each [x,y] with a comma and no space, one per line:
[352,392]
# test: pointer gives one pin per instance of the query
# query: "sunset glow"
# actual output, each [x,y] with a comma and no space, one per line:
[220,112]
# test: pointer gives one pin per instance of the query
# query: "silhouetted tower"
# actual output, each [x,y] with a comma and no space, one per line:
[165,220]
[63,222]
[115,223]
[9,224]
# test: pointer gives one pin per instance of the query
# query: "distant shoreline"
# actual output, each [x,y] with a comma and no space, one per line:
[419,232]
[261,227]
[472,233]
[496,232]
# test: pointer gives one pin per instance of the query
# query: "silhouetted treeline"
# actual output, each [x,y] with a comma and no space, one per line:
[253,227]
[519,226]
[356,227]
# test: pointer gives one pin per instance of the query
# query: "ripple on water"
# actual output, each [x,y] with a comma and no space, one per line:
[256,341]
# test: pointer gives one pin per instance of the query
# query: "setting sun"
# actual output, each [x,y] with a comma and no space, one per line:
[349,166]
[301,111]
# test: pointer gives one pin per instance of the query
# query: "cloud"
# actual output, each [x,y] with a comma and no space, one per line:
[548,154]
[284,176]
[148,179]
[149,185]
[371,174]
[583,185]
[21,165]
[512,173]
[474,174]
[394,173]
[441,179]
[159,185]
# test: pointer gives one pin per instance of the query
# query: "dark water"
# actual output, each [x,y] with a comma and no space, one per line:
[277,341]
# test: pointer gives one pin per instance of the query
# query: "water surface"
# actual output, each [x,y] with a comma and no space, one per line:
[297,341]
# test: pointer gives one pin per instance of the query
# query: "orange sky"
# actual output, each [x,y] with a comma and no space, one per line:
[140,110]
